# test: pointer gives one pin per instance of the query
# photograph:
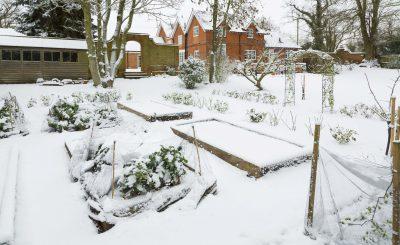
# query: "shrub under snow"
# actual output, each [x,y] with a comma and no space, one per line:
[192,72]
[79,111]
[343,135]
[161,168]
[11,117]
[255,116]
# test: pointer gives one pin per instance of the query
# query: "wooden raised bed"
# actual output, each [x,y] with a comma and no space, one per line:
[170,113]
[252,168]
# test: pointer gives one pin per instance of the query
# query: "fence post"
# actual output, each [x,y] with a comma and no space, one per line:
[398,124]
[313,179]
[197,149]
[395,179]
[303,88]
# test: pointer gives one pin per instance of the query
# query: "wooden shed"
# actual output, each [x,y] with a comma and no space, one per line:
[24,59]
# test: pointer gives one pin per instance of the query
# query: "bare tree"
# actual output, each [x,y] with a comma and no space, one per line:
[371,14]
[256,70]
[106,54]
[225,14]
[8,13]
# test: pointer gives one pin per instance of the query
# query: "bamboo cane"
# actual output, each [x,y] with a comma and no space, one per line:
[392,121]
[113,172]
[197,149]
[313,179]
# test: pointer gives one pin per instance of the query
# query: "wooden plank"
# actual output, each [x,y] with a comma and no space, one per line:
[153,118]
[235,161]
[251,168]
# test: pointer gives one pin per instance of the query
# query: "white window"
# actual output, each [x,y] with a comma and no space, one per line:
[180,39]
[221,32]
[196,54]
[250,33]
[250,54]
[196,31]
[223,49]
[181,56]
[271,53]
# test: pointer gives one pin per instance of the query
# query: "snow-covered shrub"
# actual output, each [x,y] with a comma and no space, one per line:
[361,109]
[46,100]
[106,96]
[255,96]
[255,116]
[273,118]
[31,103]
[39,80]
[197,101]
[129,96]
[343,135]
[192,72]
[171,71]
[370,63]
[11,117]
[179,98]
[67,81]
[220,106]
[223,69]
[159,169]
[71,114]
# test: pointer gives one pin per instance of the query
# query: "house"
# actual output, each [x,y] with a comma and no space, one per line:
[195,38]
[278,43]
[23,59]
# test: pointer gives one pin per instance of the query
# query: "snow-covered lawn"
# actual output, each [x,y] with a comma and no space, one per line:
[269,210]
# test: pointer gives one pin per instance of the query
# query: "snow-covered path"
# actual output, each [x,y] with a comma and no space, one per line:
[49,208]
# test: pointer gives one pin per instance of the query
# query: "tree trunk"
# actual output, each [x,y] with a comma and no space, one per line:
[92,54]
[214,40]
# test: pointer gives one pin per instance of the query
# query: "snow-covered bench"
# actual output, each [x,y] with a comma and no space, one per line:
[8,184]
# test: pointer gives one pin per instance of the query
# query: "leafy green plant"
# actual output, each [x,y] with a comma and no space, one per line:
[255,116]
[160,169]
[343,135]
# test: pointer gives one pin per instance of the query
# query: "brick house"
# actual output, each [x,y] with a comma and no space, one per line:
[278,44]
[195,38]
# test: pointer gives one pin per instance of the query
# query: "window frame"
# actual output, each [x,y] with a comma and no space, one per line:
[250,30]
[250,51]
[71,53]
[31,55]
[196,54]
[12,52]
[223,49]
[196,31]
[181,56]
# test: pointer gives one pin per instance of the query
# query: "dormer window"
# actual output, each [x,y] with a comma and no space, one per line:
[196,31]
[250,33]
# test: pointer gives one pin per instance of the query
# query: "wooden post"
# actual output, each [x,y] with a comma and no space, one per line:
[313,179]
[303,88]
[395,179]
[197,149]
[113,172]
[392,121]
[398,124]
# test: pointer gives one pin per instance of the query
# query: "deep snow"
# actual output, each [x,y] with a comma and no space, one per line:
[270,210]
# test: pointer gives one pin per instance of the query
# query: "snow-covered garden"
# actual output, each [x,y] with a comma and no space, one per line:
[154,187]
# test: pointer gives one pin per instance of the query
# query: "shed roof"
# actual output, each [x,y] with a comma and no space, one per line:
[10,32]
[41,42]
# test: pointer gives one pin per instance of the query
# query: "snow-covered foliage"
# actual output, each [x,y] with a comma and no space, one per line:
[46,100]
[370,63]
[12,120]
[197,101]
[129,96]
[31,103]
[254,96]
[343,135]
[159,169]
[192,72]
[363,110]
[223,69]
[256,116]
[80,111]
[171,71]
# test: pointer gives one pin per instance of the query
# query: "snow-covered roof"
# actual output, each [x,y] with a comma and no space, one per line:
[179,21]
[279,40]
[41,42]
[10,32]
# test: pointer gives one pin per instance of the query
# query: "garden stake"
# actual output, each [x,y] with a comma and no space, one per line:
[398,124]
[303,88]
[113,171]
[197,149]
[313,179]
[395,179]
[392,122]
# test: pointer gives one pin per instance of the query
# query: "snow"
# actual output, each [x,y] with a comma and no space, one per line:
[40,42]
[269,210]
[10,32]
[153,108]
[276,39]
[251,146]
[8,197]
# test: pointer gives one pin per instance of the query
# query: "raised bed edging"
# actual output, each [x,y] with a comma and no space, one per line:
[252,169]
[153,118]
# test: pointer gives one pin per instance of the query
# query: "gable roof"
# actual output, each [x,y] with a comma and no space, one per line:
[178,22]
[279,40]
